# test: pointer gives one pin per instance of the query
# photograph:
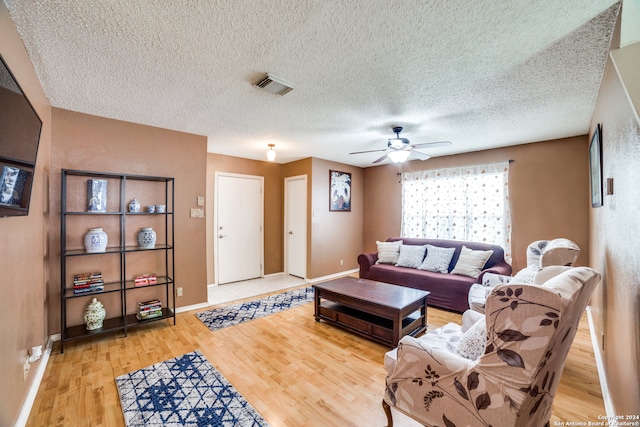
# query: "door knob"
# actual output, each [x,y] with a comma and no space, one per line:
[291,232]
[222,235]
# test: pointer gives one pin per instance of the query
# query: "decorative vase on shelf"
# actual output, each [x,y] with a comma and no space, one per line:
[147,238]
[134,206]
[95,240]
[94,315]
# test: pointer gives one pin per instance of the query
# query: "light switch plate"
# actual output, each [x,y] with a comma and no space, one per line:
[200,201]
[197,213]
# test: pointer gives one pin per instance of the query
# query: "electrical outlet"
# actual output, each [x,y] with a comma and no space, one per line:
[179,292]
[27,365]
[341,262]
[200,201]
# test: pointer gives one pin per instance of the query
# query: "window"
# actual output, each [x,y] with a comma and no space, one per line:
[467,203]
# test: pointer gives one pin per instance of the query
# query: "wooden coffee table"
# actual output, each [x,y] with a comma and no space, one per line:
[379,311]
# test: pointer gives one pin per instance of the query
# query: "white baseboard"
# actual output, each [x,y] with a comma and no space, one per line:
[606,396]
[35,385]
[192,307]
[332,276]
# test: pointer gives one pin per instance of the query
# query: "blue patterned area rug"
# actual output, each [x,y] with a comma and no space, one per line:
[185,391]
[231,315]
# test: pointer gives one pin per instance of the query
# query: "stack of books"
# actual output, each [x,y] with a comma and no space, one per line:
[85,283]
[149,309]
[145,280]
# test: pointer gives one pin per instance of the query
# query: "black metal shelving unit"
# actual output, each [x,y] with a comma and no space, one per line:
[121,285]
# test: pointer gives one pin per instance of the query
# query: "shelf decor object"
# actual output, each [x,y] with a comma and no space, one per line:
[94,315]
[96,195]
[147,238]
[95,240]
[114,268]
[134,206]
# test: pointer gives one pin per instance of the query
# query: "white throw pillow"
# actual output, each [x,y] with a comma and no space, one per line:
[470,263]
[388,252]
[437,259]
[411,256]
[472,343]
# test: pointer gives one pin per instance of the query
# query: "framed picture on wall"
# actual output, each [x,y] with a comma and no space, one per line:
[339,191]
[595,167]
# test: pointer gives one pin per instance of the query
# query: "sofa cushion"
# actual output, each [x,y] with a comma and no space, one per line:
[470,263]
[388,252]
[411,256]
[438,259]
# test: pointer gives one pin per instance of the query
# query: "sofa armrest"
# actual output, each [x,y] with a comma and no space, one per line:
[366,261]
[501,270]
[491,279]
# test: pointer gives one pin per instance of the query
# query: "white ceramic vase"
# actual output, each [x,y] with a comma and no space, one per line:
[95,240]
[134,206]
[147,238]
[94,315]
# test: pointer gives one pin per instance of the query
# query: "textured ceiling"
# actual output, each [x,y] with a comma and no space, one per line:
[481,74]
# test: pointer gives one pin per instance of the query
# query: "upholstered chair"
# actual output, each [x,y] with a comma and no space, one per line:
[504,370]
[540,254]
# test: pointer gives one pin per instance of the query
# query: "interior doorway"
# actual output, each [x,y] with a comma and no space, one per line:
[295,225]
[238,226]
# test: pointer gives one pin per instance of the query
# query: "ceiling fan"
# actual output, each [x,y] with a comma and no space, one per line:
[399,149]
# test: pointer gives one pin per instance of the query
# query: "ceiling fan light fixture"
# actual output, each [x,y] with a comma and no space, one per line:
[275,85]
[397,143]
[271,153]
[399,156]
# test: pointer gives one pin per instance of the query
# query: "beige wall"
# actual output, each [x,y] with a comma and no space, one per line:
[324,228]
[615,246]
[548,188]
[273,201]
[23,246]
[335,236]
[85,142]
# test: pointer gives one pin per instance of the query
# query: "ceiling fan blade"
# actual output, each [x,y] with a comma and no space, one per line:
[380,159]
[368,151]
[419,155]
[432,144]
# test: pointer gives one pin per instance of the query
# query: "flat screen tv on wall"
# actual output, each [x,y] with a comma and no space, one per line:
[20,129]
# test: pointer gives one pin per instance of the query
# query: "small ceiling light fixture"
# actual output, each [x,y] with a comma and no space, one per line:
[399,156]
[271,153]
[275,85]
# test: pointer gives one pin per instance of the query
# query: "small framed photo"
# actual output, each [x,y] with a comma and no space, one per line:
[339,191]
[595,167]
[13,183]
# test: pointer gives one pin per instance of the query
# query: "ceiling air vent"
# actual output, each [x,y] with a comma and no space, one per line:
[275,85]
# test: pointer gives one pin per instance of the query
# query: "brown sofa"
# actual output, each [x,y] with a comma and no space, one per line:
[448,291]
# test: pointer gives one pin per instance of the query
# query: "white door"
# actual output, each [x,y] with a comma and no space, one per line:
[296,225]
[238,226]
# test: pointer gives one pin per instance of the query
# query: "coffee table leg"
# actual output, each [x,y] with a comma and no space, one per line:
[316,304]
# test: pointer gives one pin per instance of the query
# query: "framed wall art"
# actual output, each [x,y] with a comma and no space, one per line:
[595,167]
[339,191]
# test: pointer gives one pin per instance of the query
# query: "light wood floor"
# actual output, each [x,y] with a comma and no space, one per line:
[292,369]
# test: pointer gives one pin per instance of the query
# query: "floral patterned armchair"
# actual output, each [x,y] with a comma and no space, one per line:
[527,333]
[540,254]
